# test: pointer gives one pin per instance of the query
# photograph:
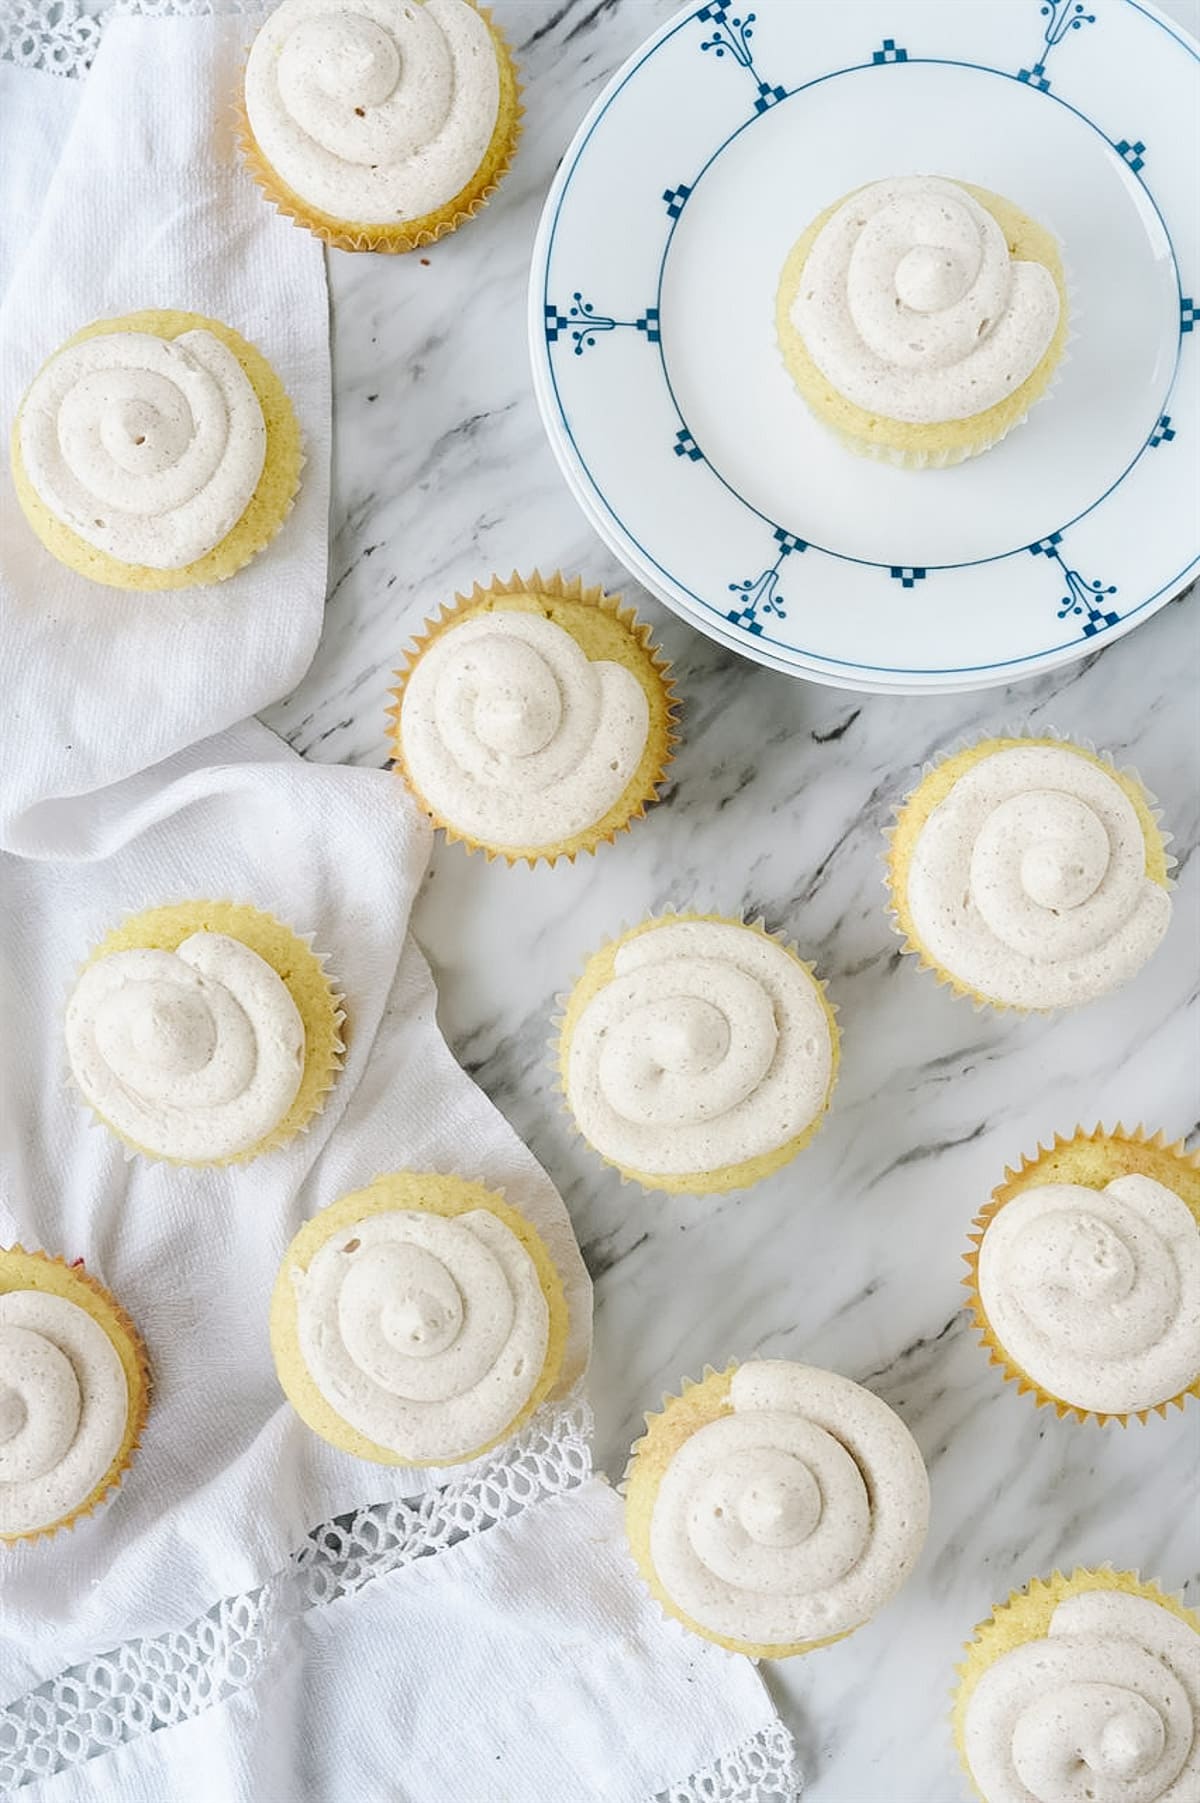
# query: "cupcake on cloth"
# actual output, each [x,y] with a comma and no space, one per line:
[379,124]
[156,451]
[74,1393]
[1029,873]
[774,1507]
[921,319]
[1085,1687]
[419,1321]
[204,1033]
[697,1054]
[1085,1275]
[534,719]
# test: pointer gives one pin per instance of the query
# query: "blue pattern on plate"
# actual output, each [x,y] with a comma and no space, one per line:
[762,591]
[1081,597]
[1061,16]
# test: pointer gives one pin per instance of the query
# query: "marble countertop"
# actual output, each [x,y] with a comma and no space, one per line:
[851,1257]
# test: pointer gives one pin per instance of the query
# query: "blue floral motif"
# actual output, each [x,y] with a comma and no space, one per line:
[591,325]
[731,37]
[1083,599]
[761,593]
[1061,16]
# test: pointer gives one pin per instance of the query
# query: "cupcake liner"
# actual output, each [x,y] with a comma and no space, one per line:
[642,790]
[1026,1615]
[293,958]
[698,1403]
[412,234]
[1002,422]
[24,1270]
[694,1183]
[1107,1153]
[1160,861]
[430,1193]
[266,512]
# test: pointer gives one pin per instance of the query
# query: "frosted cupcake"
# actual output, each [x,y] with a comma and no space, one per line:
[156,451]
[419,1321]
[1029,874]
[1085,1275]
[922,318]
[773,1507]
[379,124]
[534,719]
[204,1033]
[74,1393]
[697,1054]
[1083,1687]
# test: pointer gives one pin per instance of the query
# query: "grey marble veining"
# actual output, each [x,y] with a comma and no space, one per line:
[852,1257]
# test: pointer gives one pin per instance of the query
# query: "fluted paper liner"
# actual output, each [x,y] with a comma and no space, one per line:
[604,629]
[299,967]
[1026,1616]
[266,510]
[681,1416]
[598,970]
[926,445]
[1093,1159]
[408,234]
[426,1193]
[22,1270]
[938,777]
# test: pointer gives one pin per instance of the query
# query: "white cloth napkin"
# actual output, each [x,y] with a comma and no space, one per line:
[254,1615]
[132,197]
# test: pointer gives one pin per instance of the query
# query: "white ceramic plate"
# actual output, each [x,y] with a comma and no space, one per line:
[679,431]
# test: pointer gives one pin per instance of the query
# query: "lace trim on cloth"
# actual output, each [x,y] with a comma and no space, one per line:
[62,36]
[763,1769]
[157,1683]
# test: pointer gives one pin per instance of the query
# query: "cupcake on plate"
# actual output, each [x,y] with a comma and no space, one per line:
[74,1393]
[921,318]
[1029,873]
[419,1321]
[1085,1275]
[774,1508]
[204,1033]
[697,1054]
[534,719]
[379,124]
[1083,1687]
[156,451]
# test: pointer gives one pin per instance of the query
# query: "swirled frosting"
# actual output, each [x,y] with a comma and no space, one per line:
[709,1045]
[64,1406]
[195,1054]
[1095,1294]
[1028,883]
[794,1518]
[148,448]
[514,736]
[911,306]
[374,111]
[426,1333]
[1105,1709]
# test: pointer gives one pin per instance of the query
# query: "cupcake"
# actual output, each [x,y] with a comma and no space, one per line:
[1085,1687]
[419,1321]
[205,1033]
[922,318]
[697,1054]
[379,124]
[534,719]
[1029,874]
[774,1508]
[156,451]
[74,1392]
[1085,1275]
